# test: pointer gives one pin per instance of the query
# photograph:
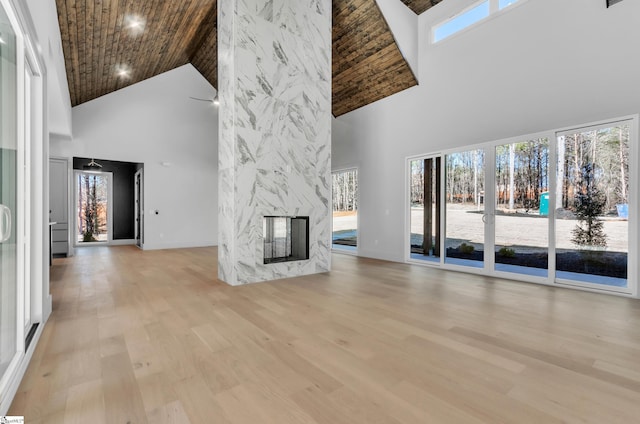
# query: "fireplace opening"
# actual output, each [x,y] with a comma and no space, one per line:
[286,238]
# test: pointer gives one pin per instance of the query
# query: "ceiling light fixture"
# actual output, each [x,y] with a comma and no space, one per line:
[215,101]
[2,40]
[123,71]
[134,23]
[92,166]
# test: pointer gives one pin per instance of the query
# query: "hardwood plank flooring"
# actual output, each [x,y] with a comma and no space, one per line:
[154,337]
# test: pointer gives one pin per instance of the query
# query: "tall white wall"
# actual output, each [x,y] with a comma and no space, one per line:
[156,123]
[544,64]
[45,19]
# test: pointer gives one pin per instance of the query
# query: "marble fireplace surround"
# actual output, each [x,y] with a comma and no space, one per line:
[275,132]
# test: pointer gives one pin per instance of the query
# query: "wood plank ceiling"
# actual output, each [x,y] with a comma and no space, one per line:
[367,64]
[106,49]
[419,6]
[98,40]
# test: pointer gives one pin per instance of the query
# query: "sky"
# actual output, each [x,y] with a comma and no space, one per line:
[471,16]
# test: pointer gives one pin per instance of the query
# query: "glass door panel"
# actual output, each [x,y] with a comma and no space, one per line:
[425,191]
[9,212]
[522,207]
[92,209]
[345,210]
[464,213]
[592,207]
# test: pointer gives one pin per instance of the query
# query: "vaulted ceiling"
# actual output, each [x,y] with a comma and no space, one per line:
[110,44]
[419,6]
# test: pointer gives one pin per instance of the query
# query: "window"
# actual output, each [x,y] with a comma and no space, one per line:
[522,201]
[469,17]
[464,208]
[592,205]
[345,210]
[461,21]
[557,207]
[505,3]
[425,195]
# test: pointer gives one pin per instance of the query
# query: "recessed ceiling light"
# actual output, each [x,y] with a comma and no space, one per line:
[2,40]
[134,23]
[123,71]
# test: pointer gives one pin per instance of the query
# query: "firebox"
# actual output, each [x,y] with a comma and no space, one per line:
[286,238]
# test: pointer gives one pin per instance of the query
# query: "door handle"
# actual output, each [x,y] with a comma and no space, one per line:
[485,216]
[5,223]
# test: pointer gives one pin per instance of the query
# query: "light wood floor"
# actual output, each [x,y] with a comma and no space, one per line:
[153,337]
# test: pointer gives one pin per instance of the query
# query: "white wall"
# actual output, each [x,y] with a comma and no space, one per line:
[156,122]
[45,19]
[544,64]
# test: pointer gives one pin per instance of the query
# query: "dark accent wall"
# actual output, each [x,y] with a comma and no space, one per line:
[123,194]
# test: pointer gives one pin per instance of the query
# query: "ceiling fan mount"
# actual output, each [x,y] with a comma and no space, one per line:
[214,101]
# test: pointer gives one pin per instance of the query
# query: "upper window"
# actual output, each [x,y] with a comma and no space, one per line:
[504,3]
[461,21]
[468,17]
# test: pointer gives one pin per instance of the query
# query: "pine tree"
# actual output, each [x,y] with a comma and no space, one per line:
[589,204]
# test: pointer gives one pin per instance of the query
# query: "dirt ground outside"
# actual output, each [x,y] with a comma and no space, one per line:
[345,220]
[526,230]
[465,224]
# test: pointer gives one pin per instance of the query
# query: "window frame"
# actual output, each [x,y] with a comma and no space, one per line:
[633,265]
[337,249]
[494,11]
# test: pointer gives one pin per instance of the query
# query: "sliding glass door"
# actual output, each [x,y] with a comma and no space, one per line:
[21,184]
[425,198]
[344,226]
[592,205]
[9,195]
[551,209]
[465,208]
[521,207]
[447,198]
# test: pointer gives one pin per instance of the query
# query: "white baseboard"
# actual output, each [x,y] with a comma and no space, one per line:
[177,245]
